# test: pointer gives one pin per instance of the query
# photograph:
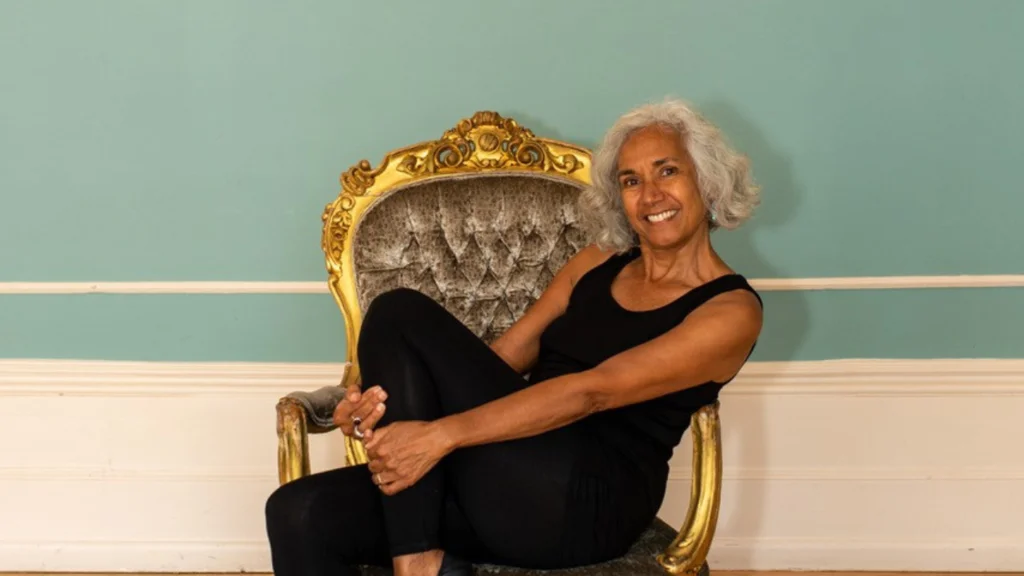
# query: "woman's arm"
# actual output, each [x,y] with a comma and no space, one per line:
[520,344]
[401,453]
[711,344]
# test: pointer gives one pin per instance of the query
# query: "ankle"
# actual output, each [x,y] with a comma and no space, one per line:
[420,564]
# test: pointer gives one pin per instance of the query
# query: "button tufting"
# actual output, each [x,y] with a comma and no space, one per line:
[484,248]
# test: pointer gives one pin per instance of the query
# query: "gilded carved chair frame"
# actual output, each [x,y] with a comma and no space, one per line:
[485,144]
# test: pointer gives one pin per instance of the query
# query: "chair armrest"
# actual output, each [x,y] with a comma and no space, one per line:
[688,552]
[318,407]
[300,414]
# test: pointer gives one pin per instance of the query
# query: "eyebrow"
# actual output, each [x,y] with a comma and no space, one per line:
[657,163]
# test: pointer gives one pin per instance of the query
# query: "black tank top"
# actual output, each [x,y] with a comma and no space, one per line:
[595,327]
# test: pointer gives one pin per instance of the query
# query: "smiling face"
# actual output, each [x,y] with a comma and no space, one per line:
[658,184]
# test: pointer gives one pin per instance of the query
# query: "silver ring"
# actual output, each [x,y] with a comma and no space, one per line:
[356,421]
[357,433]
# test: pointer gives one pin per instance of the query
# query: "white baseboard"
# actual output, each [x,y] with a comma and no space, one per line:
[838,465]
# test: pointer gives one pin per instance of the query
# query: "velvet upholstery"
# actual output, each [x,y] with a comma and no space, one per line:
[485,247]
[319,406]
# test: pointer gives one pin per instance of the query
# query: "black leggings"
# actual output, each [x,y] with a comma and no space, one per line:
[554,500]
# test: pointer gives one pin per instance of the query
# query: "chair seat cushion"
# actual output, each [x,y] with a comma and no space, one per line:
[641,560]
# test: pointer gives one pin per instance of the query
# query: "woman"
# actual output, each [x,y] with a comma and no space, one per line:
[469,461]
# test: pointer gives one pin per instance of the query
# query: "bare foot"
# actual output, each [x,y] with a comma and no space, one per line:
[421,564]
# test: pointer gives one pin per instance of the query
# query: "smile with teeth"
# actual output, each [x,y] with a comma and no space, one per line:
[661,216]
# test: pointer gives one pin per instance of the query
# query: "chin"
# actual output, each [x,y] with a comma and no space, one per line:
[664,241]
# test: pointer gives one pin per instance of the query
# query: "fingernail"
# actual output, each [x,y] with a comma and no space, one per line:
[380,407]
[383,395]
[353,397]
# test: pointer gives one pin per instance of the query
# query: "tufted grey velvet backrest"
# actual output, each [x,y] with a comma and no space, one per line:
[485,247]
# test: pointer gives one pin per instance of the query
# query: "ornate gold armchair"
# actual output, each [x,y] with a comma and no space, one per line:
[480,220]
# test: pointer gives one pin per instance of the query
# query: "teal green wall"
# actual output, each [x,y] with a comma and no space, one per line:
[198,140]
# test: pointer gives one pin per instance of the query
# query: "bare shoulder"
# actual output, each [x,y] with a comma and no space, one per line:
[740,310]
[584,261]
[555,296]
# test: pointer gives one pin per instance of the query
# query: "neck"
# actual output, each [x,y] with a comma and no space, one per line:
[692,263]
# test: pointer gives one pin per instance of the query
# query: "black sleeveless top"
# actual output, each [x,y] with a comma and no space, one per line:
[595,327]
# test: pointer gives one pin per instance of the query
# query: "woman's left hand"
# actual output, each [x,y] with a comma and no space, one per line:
[403,452]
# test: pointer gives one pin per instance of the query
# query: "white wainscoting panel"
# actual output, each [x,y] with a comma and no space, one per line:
[853,464]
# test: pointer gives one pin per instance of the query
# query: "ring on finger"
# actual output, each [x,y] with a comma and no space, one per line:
[356,421]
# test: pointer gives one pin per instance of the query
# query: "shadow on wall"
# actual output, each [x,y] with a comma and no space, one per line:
[786,314]
[745,441]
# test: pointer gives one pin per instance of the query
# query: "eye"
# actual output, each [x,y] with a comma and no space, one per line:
[669,171]
[629,181]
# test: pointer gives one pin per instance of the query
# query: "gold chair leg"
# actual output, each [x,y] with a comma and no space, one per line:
[355,452]
[688,552]
[292,441]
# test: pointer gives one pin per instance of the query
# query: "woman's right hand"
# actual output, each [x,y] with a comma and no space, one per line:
[359,411]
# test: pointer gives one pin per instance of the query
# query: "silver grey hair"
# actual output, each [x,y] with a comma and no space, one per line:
[723,175]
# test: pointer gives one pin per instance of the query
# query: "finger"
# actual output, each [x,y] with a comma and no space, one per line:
[371,444]
[343,417]
[384,479]
[371,421]
[372,397]
[392,488]
[351,398]
[376,465]
[369,401]
[352,394]
[359,414]
[343,414]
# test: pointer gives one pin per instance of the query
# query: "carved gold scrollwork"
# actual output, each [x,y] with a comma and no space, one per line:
[487,141]
[337,218]
[360,177]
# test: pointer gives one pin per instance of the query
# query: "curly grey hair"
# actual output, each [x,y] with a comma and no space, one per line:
[723,175]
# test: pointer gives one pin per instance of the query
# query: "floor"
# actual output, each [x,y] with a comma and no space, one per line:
[716,573]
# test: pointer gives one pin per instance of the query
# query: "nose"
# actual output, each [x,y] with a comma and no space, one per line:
[651,193]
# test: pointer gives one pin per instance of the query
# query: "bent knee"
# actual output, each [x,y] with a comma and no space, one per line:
[399,301]
[397,308]
[286,512]
[390,317]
